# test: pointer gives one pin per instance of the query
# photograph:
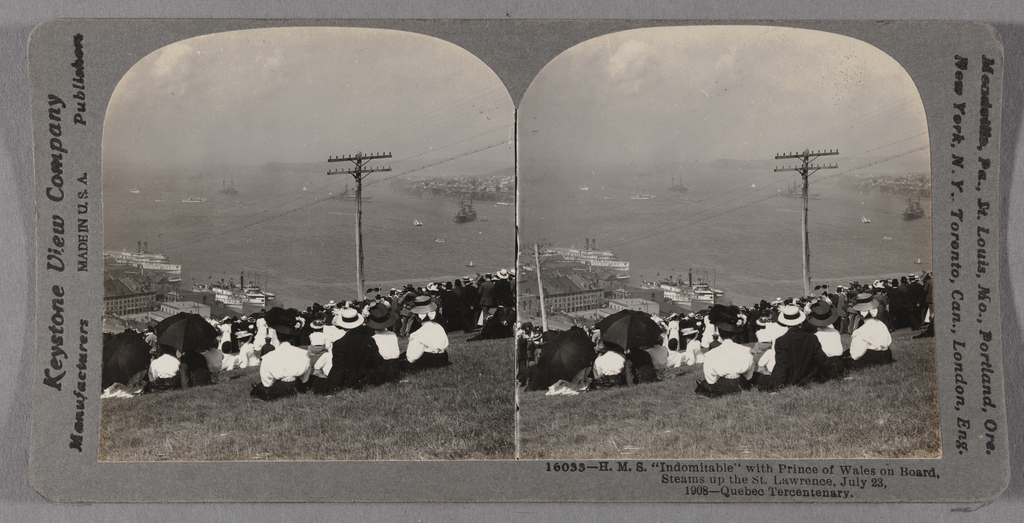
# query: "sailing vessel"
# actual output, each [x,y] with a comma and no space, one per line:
[417,223]
[864,219]
[133,191]
[466,213]
[642,196]
[679,187]
[470,264]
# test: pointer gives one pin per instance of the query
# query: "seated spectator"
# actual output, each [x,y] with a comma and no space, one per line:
[609,367]
[869,344]
[195,371]
[798,356]
[823,316]
[285,369]
[729,366]
[428,345]
[165,371]
[355,356]
[381,318]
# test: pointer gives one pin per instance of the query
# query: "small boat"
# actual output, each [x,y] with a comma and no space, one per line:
[886,237]
[584,188]
[864,219]
[470,264]
[133,191]
[417,223]
[439,240]
[161,200]
[918,262]
[753,186]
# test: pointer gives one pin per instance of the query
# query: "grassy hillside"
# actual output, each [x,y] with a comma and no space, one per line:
[881,412]
[464,411]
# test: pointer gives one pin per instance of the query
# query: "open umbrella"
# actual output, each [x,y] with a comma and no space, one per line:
[186,331]
[124,355]
[562,357]
[630,329]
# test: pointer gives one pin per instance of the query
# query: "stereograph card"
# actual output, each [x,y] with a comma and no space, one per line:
[230,183]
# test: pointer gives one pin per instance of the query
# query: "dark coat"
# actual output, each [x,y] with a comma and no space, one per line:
[451,307]
[356,359]
[502,294]
[195,371]
[798,359]
[487,294]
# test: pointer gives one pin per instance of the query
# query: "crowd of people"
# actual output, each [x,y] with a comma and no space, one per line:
[772,345]
[340,345]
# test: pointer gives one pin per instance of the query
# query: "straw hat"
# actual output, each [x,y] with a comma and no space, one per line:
[688,331]
[864,302]
[502,274]
[317,325]
[348,319]
[791,316]
[423,305]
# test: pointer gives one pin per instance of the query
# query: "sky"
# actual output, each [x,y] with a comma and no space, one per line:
[697,94]
[299,95]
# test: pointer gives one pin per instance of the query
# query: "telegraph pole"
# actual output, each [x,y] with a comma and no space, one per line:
[806,169]
[358,172]
[540,289]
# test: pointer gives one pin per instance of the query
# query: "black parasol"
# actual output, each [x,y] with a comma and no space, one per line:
[630,329]
[562,358]
[124,355]
[186,331]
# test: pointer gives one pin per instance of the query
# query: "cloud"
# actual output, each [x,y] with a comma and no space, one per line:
[171,60]
[628,63]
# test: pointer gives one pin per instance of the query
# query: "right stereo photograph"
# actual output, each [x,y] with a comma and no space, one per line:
[725,250]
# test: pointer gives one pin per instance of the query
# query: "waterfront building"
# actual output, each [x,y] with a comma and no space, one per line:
[123,296]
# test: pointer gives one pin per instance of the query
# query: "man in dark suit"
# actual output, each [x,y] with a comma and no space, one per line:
[471,302]
[798,355]
[486,304]
[915,302]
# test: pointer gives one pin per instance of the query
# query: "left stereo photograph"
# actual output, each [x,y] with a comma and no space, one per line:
[307,216]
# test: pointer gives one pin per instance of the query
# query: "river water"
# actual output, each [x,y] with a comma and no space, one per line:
[306,255]
[750,250]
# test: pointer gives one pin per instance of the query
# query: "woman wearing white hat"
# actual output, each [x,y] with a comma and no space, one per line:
[428,345]
[870,343]
[798,356]
[355,357]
